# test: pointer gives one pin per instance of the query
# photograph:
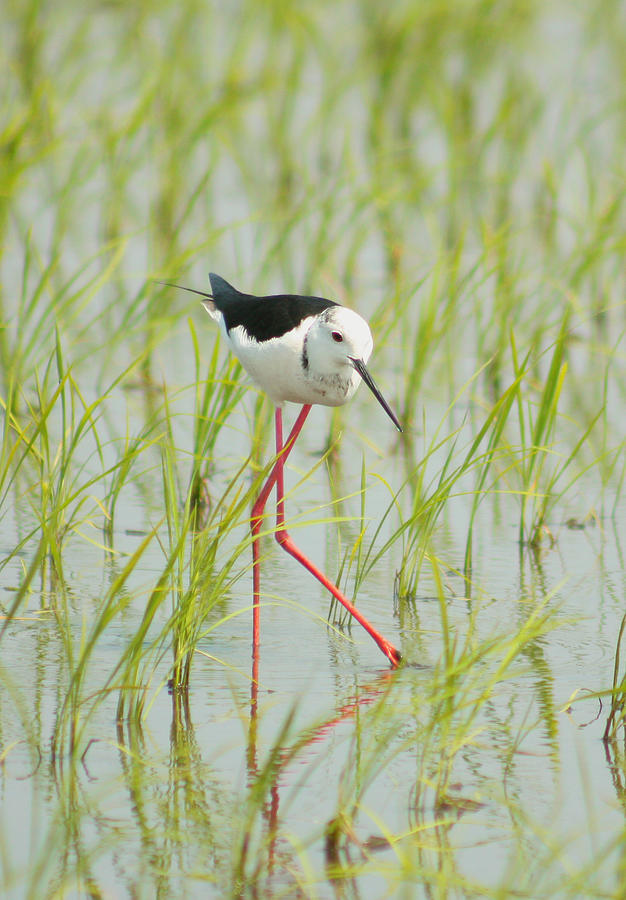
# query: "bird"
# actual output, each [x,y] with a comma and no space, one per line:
[299,349]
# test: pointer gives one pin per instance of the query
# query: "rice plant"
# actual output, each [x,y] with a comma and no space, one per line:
[453,171]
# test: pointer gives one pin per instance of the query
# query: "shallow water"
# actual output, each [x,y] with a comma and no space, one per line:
[194,772]
[427,158]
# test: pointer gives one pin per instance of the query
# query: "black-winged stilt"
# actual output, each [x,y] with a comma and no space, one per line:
[304,350]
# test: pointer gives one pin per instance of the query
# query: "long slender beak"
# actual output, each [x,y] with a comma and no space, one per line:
[359,365]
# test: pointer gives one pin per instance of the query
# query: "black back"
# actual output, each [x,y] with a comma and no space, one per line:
[263,318]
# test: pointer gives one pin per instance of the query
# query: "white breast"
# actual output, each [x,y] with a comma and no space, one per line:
[278,368]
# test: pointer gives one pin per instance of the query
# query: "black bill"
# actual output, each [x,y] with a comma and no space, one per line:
[359,365]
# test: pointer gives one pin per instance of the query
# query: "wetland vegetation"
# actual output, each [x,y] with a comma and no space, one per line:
[455,171]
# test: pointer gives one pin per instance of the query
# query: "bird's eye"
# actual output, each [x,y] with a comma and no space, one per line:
[337,336]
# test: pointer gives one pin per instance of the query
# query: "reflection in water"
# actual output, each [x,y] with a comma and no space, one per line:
[200,825]
[467,201]
[264,781]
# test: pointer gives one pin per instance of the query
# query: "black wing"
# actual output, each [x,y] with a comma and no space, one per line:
[263,318]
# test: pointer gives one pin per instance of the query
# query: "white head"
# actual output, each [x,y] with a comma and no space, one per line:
[337,337]
[338,344]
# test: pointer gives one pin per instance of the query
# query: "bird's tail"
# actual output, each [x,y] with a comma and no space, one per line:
[224,294]
[207,299]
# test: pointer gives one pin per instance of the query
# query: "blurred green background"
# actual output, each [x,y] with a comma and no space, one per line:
[453,169]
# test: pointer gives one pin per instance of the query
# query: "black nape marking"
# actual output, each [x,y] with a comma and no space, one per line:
[305,354]
[264,318]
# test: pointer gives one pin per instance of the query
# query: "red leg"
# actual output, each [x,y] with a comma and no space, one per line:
[256,519]
[287,544]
